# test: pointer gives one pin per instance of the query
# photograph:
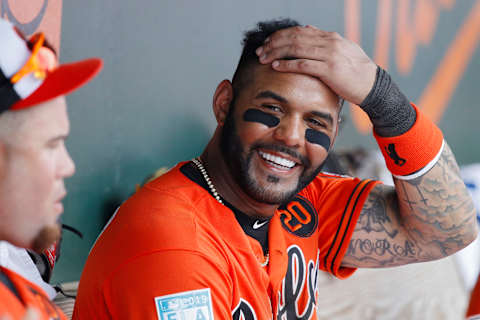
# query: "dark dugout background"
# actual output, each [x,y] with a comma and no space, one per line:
[151,105]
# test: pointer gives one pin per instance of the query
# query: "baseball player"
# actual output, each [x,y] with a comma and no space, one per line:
[33,158]
[242,231]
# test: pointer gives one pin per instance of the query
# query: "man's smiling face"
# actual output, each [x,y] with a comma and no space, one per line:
[277,133]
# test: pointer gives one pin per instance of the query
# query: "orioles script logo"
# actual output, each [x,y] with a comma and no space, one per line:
[299,288]
[297,298]
[31,16]
[299,217]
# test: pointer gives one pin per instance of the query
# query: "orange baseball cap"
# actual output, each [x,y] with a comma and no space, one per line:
[29,74]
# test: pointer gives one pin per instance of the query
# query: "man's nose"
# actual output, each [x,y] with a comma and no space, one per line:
[67,165]
[290,131]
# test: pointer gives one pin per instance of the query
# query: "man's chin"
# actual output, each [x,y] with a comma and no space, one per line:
[269,193]
[47,236]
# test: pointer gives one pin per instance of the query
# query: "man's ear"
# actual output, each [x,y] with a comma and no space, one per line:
[221,101]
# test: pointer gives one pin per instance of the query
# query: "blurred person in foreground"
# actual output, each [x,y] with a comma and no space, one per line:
[33,158]
[242,231]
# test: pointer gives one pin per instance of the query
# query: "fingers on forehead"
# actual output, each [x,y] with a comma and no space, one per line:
[305,66]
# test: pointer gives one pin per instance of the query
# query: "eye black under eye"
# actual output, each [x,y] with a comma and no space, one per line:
[255,115]
[317,137]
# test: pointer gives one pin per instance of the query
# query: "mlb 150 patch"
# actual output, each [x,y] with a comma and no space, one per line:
[196,304]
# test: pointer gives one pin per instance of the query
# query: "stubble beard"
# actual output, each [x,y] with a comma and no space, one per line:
[47,236]
[242,170]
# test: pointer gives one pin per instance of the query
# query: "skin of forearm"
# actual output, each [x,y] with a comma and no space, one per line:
[419,220]
[436,209]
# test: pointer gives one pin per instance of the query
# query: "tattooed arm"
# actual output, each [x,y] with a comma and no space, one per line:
[419,220]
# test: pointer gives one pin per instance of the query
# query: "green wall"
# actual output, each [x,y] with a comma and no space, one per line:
[151,105]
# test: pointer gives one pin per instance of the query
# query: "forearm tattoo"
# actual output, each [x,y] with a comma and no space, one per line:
[420,220]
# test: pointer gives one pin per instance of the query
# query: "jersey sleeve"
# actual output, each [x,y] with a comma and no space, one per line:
[338,201]
[174,284]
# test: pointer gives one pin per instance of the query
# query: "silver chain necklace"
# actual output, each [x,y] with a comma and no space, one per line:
[198,163]
[204,172]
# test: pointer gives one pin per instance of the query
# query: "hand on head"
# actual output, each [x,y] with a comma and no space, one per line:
[340,63]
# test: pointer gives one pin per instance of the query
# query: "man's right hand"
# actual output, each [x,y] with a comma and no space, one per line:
[338,62]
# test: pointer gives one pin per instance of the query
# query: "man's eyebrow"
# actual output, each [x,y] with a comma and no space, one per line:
[58,138]
[271,94]
[323,115]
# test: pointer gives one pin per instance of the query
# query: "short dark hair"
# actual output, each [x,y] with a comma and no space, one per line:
[253,39]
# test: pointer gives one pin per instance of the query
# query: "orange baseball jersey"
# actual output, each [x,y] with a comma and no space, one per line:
[26,294]
[173,252]
[473,311]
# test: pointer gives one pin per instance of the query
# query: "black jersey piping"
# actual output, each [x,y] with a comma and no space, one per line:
[349,221]
[341,222]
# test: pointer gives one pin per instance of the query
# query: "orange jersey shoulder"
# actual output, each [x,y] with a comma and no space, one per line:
[31,296]
[172,241]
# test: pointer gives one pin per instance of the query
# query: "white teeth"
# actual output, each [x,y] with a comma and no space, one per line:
[277,160]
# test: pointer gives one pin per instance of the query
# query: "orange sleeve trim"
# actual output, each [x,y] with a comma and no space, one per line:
[346,226]
[413,150]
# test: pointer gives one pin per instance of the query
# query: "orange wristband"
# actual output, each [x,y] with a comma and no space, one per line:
[414,152]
